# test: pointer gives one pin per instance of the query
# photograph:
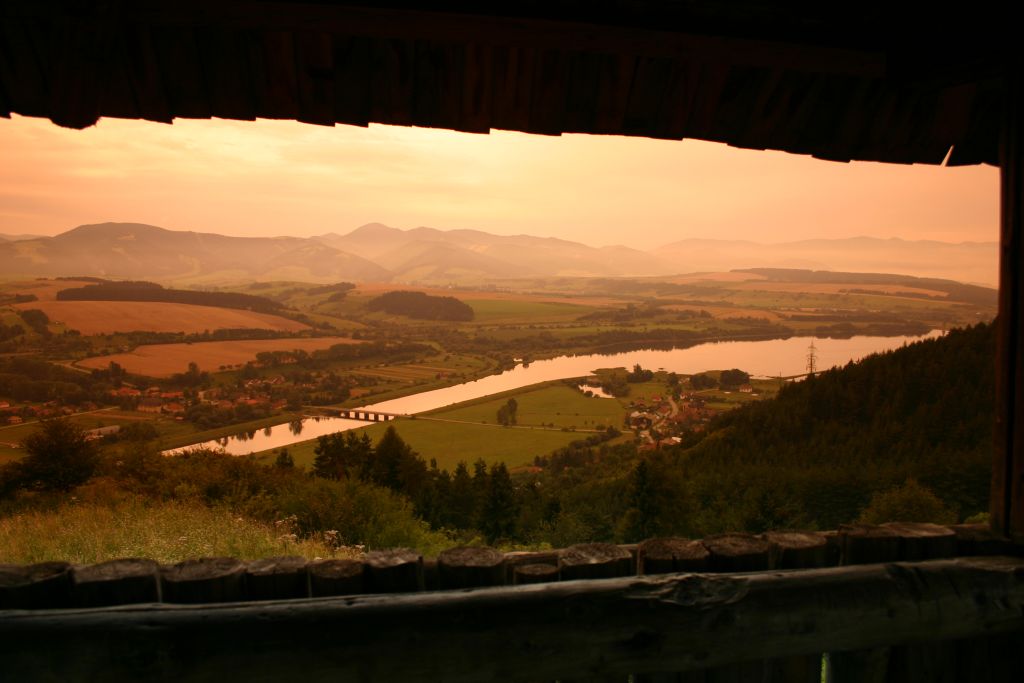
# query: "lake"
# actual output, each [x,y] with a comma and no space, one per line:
[770,358]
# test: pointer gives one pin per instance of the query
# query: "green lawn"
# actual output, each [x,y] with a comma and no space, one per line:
[450,442]
[511,311]
[550,404]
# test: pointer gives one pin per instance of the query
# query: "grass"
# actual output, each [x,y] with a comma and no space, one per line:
[166,532]
[449,443]
[489,311]
[550,404]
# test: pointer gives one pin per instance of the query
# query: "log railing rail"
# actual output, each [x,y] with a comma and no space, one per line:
[887,603]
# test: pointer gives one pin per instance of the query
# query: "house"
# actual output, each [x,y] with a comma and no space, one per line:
[746,389]
[100,432]
[173,408]
[150,405]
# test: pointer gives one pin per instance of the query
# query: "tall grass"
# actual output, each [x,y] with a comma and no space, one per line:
[167,532]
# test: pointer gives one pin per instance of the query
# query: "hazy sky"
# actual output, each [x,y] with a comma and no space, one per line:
[283,177]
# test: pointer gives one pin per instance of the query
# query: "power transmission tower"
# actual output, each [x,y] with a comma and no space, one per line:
[812,359]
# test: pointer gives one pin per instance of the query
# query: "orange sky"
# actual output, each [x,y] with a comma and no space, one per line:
[283,177]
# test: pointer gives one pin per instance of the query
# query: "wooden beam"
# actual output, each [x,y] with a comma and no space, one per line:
[507,30]
[574,629]
[1007,502]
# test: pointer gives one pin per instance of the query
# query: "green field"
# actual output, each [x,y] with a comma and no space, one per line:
[450,443]
[554,405]
[490,311]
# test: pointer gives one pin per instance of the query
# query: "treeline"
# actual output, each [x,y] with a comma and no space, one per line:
[957,291]
[23,378]
[150,291]
[421,306]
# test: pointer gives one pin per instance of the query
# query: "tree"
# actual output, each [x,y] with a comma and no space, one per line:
[733,378]
[59,457]
[284,460]
[500,509]
[507,413]
[703,381]
[641,518]
[910,502]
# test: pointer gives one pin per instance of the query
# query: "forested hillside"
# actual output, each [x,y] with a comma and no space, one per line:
[815,455]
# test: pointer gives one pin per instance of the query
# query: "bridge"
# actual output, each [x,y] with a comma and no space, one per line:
[366,415]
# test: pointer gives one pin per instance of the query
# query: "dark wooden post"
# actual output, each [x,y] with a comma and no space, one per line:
[117,582]
[595,561]
[35,586]
[335,577]
[210,579]
[534,573]
[277,578]
[471,568]
[1007,506]
[393,571]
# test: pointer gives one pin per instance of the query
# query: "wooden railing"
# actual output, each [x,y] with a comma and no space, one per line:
[889,603]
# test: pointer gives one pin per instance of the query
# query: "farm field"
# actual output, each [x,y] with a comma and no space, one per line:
[555,404]
[106,317]
[450,443]
[163,360]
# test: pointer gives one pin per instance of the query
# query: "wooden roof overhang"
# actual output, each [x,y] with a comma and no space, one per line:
[875,81]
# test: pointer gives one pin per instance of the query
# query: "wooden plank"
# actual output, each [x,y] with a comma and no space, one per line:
[613,92]
[582,92]
[548,93]
[22,70]
[273,55]
[146,78]
[651,84]
[513,87]
[391,82]
[225,55]
[542,632]
[437,85]
[314,74]
[182,73]
[1007,500]
[477,96]
[352,80]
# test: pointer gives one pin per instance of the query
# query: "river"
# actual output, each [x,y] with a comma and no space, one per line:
[771,358]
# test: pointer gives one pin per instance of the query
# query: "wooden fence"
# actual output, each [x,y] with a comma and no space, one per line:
[898,602]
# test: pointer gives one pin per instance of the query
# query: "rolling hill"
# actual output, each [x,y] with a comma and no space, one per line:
[428,256]
[132,250]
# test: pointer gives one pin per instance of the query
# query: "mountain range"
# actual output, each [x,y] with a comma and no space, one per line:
[379,253]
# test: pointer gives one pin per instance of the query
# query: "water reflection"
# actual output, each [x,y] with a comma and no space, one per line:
[769,358]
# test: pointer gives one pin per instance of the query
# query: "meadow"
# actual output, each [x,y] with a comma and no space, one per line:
[553,404]
[107,317]
[449,443]
[163,360]
[86,533]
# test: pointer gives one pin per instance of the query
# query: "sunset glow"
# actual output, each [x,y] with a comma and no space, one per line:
[288,178]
